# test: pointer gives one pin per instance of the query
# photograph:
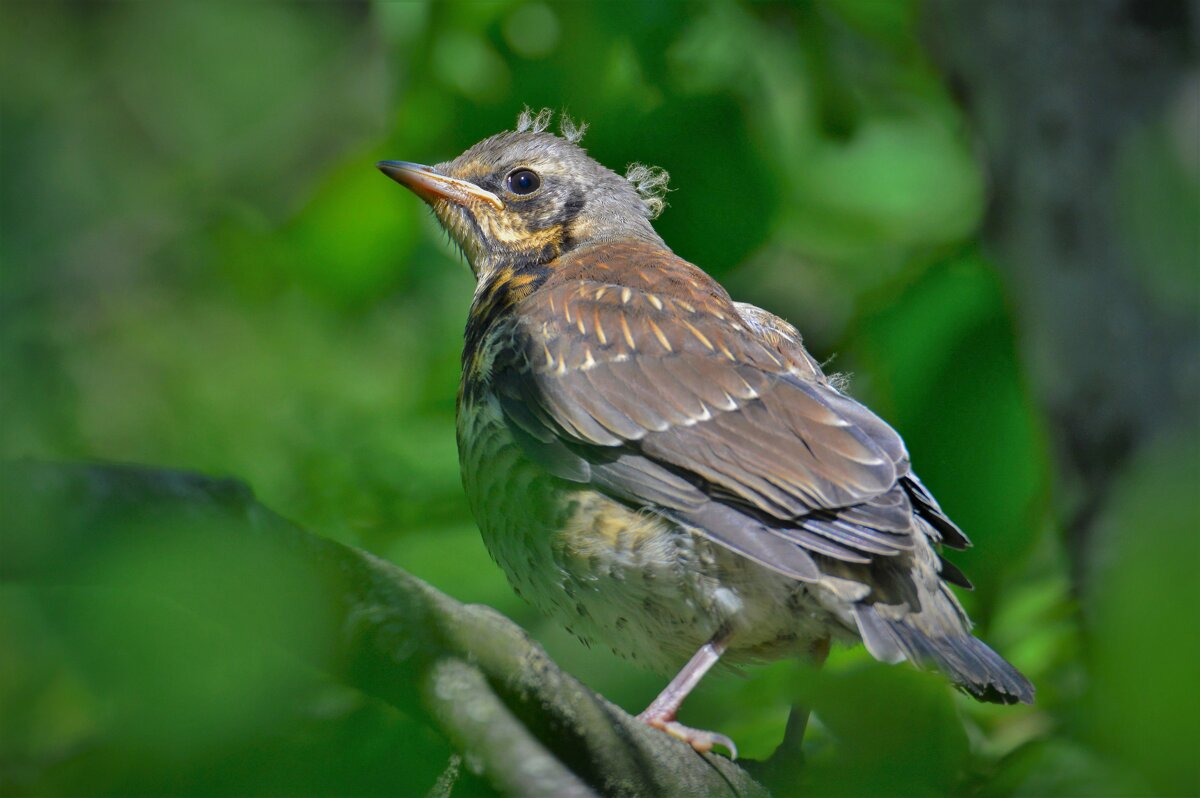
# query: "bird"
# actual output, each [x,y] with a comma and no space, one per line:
[662,469]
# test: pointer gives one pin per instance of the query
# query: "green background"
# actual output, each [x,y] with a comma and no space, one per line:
[203,269]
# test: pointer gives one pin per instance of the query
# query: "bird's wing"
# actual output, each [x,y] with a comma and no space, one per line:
[686,407]
[785,339]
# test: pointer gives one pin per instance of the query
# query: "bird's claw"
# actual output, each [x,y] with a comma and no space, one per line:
[702,741]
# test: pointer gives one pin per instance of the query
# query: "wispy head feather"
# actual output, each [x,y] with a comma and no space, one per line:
[530,122]
[568,128]
[651,184]
[571,131]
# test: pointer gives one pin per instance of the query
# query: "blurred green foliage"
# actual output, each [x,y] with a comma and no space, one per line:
[201,268]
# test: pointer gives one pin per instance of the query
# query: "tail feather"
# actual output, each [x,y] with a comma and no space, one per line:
[965,659]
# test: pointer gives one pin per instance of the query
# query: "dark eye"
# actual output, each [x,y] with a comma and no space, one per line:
[524,181]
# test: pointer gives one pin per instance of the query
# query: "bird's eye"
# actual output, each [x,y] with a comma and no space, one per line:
[524,181]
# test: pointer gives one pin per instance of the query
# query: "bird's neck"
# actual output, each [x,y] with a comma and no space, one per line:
[499,290]
[558,244]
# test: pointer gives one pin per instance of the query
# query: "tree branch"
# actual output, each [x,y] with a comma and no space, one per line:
[466,670]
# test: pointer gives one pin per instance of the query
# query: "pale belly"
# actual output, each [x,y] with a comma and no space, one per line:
[638,583]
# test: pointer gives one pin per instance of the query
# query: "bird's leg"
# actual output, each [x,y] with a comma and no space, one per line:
[782,772]
[661,712]
[791,749]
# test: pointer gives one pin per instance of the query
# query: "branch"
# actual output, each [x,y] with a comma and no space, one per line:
[465,670]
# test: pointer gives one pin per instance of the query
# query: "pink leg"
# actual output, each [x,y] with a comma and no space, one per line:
[661,712]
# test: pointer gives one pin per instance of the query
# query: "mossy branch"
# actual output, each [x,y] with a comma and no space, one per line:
[524,724]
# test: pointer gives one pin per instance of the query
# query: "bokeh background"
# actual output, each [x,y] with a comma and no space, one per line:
[987,213]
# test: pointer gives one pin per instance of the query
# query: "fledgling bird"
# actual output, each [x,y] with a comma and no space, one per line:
[663,469]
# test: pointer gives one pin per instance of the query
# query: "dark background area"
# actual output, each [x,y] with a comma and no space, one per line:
[988,214]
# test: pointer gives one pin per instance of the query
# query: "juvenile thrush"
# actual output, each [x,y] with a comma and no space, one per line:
[663,469]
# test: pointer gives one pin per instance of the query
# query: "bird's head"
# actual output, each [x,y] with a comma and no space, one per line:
[526,197]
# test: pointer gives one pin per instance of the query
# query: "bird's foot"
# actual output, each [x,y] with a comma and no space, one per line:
[702,741]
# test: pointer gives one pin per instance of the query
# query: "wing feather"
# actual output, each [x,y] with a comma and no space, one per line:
[730,430]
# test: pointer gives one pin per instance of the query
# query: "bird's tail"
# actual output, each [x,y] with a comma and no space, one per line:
[967,660]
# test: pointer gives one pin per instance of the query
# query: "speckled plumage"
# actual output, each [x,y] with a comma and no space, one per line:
[658,466]
[626,578]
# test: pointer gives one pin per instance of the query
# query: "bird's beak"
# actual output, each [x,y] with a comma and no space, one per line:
[429,185]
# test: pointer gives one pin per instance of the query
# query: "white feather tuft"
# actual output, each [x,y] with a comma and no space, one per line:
[651,184]
[529,122]
[571,131]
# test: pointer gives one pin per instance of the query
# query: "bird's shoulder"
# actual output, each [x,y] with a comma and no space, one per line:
[634,300]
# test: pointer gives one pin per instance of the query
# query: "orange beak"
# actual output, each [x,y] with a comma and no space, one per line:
[430,185]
